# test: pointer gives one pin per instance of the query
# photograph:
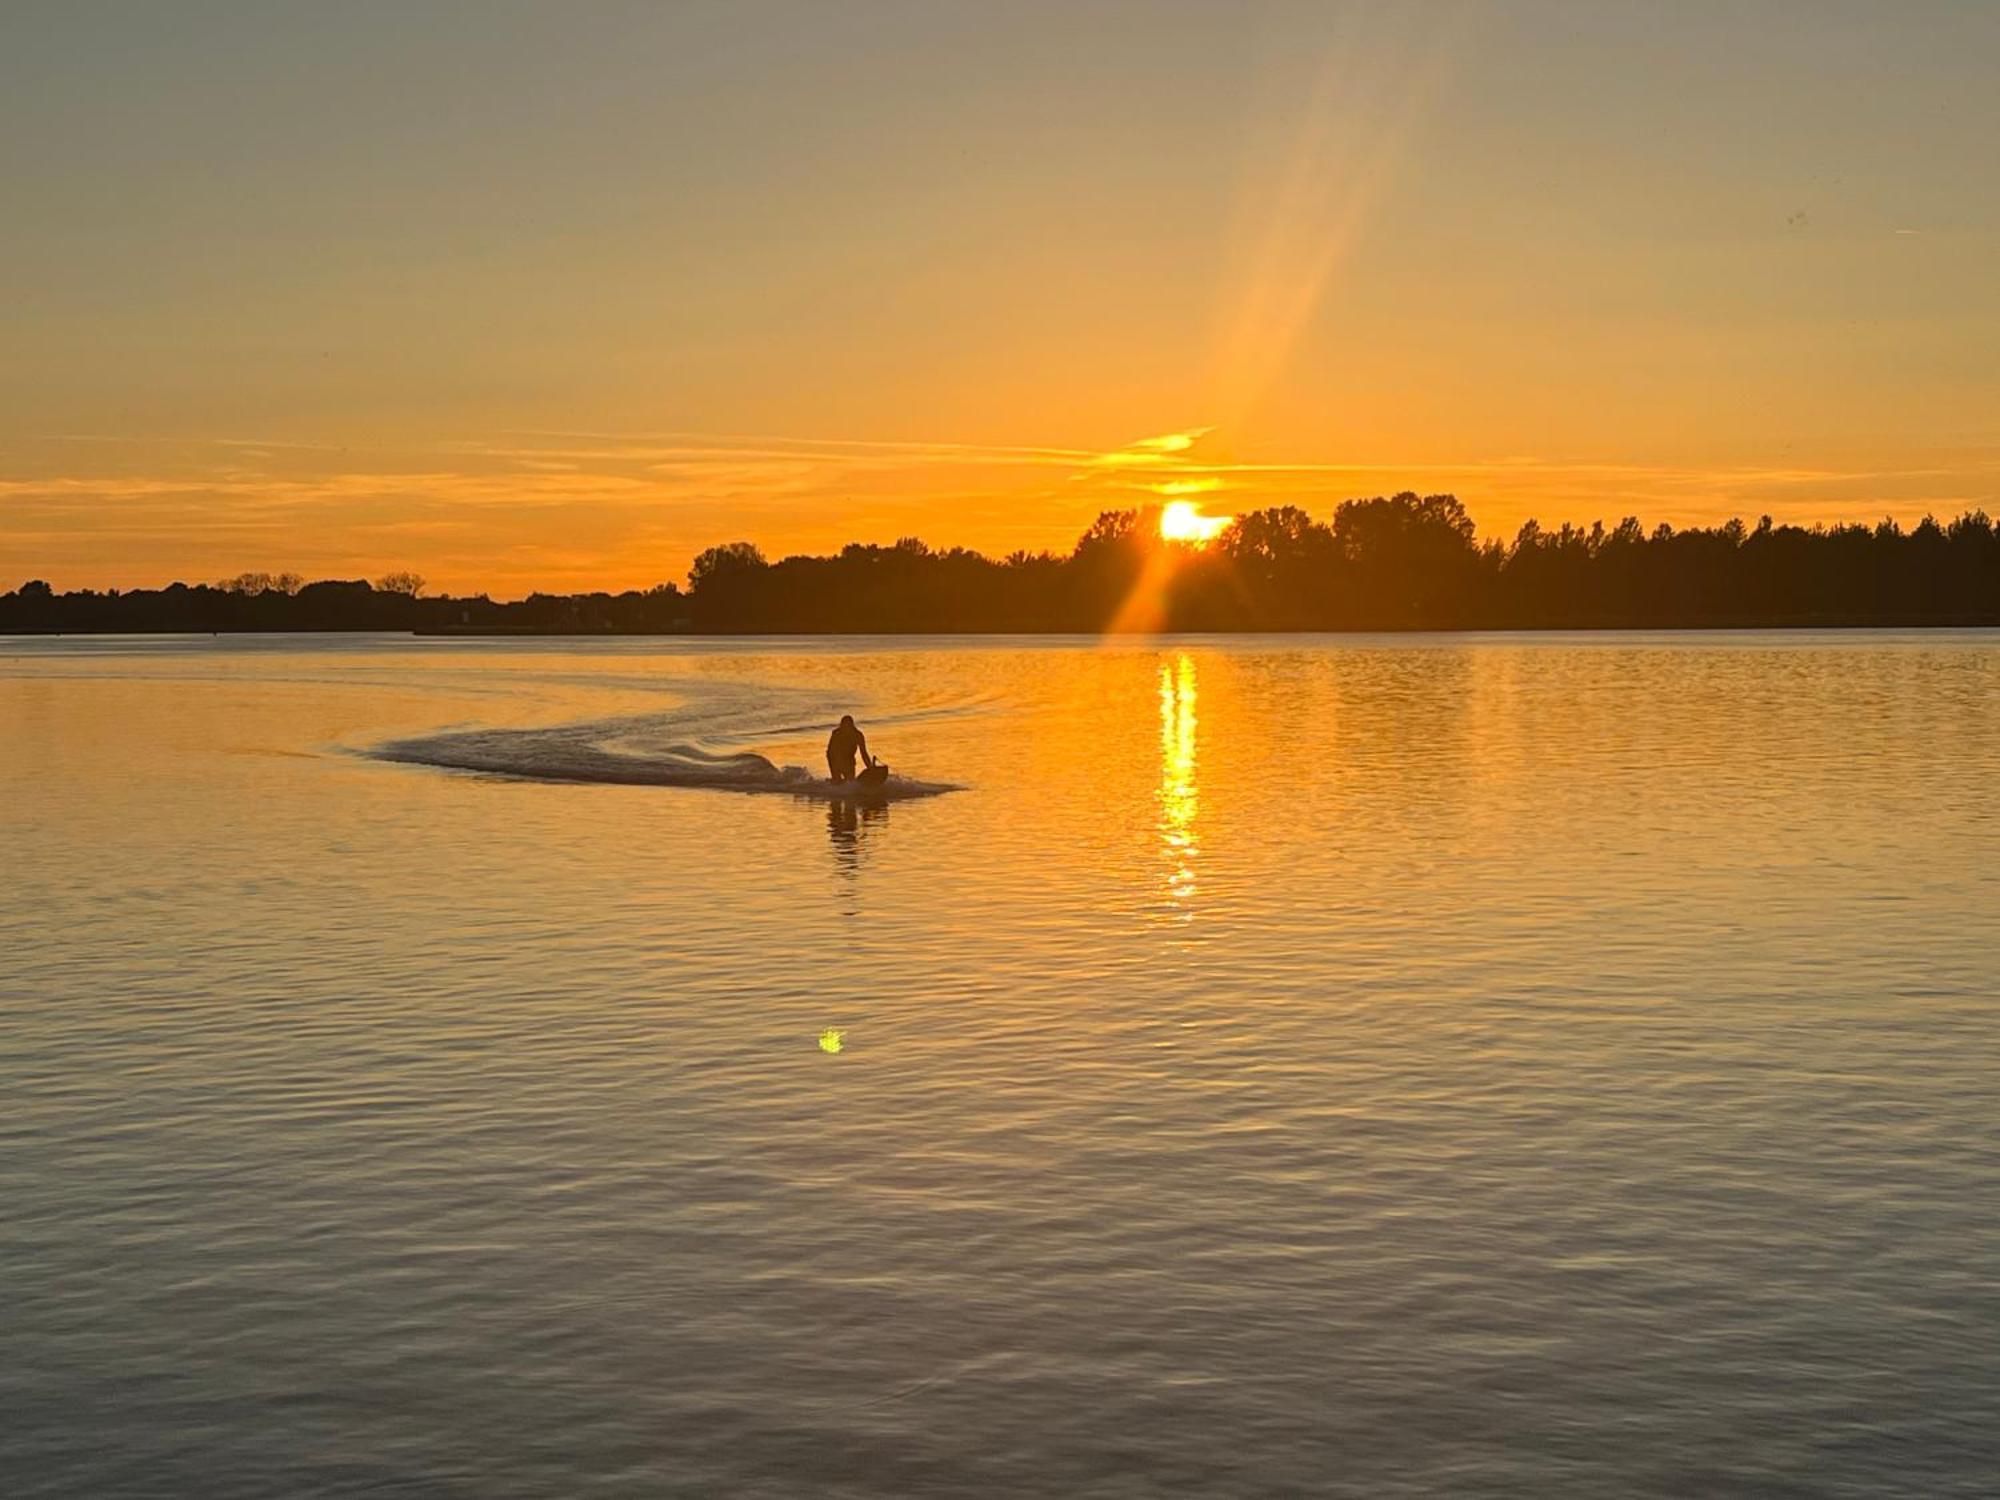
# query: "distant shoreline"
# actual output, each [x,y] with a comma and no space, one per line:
[1627,627]
[1927,622]
[1390,563]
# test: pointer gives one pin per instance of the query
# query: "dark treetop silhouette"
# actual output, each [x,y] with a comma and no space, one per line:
[1399,562]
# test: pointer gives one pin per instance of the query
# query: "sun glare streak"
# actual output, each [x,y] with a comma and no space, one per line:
[1179,800]
[1303,206]
[1144,609]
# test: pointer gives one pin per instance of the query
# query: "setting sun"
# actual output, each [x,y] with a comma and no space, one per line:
[1182,521]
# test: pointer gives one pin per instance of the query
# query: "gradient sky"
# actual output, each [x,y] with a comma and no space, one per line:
[556,295]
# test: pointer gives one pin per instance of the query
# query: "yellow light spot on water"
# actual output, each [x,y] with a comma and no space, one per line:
[832,1039]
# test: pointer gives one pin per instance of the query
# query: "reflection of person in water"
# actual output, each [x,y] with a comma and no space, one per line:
[847,824]
[842,746]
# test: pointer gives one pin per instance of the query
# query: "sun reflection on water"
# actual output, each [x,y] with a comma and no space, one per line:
[1178,793]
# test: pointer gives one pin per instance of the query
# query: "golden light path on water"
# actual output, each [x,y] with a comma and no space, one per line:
[1179,801]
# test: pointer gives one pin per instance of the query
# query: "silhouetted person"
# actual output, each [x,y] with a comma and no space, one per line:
[842,746]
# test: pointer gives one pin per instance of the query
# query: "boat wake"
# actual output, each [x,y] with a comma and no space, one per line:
[645,751]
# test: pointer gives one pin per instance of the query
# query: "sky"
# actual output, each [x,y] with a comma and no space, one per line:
[553,296]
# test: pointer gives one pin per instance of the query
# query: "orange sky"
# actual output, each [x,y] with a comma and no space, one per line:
[526,297]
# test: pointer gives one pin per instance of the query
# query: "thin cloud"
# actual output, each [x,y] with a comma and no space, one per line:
[613,510]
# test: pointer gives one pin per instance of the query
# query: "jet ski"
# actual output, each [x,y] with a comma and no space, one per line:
[874,779]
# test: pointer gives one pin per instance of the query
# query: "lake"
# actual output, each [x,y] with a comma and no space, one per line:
[1258,1066]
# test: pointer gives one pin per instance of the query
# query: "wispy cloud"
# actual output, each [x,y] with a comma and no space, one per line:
[542,510]
[1168,449]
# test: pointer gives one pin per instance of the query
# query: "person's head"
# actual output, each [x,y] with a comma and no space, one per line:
[847,721]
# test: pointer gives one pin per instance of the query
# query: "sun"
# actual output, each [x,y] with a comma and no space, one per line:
[1181,521]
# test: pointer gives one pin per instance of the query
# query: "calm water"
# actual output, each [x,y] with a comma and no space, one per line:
[1372,1066]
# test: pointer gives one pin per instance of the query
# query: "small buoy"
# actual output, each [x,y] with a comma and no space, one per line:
[832,1039]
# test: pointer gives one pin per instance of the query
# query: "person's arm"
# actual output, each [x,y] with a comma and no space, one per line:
[866,759]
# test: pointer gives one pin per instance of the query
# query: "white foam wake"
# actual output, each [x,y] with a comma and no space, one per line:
[632,752]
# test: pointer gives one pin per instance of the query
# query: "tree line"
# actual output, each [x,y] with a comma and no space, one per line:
[1396,562]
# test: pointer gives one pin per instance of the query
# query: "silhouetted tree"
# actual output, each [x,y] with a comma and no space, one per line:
[723,585]
[1403,561]
[1413,559]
